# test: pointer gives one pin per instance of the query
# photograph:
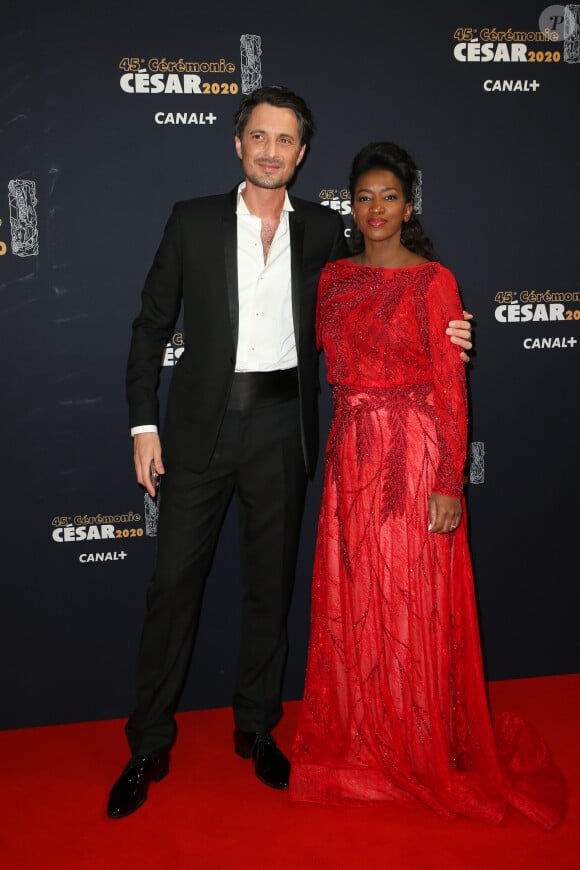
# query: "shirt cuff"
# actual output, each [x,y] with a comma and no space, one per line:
[138,430]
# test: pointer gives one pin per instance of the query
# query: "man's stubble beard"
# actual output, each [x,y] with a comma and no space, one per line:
[267,183]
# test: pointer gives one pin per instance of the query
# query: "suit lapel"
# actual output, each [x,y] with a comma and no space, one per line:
[296,253]
[230,237]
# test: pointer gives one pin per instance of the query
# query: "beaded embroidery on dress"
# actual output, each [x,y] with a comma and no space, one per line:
[395,707]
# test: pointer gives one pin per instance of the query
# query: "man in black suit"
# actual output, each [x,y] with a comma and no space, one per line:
[242,417]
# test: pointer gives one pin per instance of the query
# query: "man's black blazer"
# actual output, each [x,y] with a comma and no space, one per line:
[196,265]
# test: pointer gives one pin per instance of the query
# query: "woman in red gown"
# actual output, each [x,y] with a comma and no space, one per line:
[395,706]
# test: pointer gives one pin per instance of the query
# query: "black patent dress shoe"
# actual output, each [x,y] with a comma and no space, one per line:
[130,790]
[271,766]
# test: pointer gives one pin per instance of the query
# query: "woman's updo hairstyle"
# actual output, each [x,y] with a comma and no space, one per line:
[387,155]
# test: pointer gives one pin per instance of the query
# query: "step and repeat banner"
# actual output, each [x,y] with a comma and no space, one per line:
[111,113]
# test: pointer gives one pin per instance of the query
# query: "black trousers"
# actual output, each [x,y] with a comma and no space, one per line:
[259,458]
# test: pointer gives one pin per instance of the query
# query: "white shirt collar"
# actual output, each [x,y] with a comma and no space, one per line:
[242,208]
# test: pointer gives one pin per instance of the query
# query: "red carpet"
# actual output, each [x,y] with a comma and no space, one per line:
[211,812]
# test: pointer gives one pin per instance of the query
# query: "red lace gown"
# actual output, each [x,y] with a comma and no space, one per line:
[395,706]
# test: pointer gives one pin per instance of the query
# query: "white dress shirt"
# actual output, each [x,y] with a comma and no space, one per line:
[266,330]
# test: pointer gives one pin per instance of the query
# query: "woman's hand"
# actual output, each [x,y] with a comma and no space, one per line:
[460,332]
[444,513]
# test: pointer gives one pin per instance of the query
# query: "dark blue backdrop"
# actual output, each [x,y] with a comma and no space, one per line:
[89,173]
